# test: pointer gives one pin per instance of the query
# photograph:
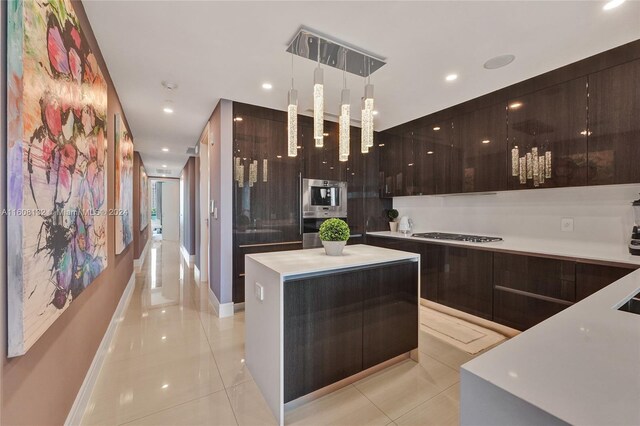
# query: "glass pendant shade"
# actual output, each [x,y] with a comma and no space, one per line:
[344,131]
[318,106]
[292,123]
[364,146]
[368,107]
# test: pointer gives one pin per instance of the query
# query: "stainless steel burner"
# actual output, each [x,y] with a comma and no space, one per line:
[457,237]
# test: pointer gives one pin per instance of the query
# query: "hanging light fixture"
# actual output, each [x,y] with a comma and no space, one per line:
[367,114]
[292,118]
[345,117]
[318,103]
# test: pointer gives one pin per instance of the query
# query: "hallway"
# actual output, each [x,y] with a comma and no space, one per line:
[173,361]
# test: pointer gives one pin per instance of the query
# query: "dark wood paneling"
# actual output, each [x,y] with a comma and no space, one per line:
[478,166]
[390,312]
[614,123]
[465,280]
[555,120]
[391,170]
[591,278]
[322,331]
[431,257]
[521,311]
[545,277]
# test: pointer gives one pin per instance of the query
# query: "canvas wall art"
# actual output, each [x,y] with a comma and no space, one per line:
[144,199]
[56,183]
[124,185]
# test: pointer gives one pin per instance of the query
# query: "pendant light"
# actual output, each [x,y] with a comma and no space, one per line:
[345,117]
[292,118]
[367,115]
[318,103]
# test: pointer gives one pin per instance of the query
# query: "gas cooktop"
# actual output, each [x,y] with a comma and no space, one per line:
[457,237]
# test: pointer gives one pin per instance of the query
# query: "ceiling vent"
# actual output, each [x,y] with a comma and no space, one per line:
[163,171]
[192,150]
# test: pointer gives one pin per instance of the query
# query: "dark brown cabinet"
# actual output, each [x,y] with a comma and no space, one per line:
[465,280]
[391,160]
[537,276]
[522,311]
[591,278]
[433,151]
[529,289]
[340,324]
[265,188]
[390,316]
[614,125]
[323,326]
[549,125]
[479,154]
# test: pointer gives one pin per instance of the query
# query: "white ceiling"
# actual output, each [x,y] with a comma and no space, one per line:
[214,50]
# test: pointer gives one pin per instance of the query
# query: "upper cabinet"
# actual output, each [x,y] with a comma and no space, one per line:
[266,183]
[547,134]
[391,170]
[479,156]
[614,125]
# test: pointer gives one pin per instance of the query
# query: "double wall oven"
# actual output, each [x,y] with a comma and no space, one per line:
[320,200]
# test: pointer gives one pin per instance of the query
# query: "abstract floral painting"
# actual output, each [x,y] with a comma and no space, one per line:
[56,183]
[124,186]
[144,199]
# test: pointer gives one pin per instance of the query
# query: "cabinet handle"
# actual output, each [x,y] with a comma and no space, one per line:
[269,244]
[300,199]
[533,295]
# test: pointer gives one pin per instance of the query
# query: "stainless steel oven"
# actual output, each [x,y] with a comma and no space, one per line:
[321,199]
[324,198]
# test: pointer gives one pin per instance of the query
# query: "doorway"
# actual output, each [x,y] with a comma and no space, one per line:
[165,210]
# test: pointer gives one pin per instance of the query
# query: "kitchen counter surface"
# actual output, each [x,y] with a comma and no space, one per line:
[308,261]
[581,366]
[599,253]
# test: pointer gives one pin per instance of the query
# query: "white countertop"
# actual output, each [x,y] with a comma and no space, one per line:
[581,365]
[296,262]
[608,253]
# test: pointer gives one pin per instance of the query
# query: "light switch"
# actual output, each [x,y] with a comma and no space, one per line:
[259,291]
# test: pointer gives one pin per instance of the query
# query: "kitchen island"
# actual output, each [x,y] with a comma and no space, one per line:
[314,320]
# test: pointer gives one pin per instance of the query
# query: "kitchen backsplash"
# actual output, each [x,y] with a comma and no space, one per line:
[601,214]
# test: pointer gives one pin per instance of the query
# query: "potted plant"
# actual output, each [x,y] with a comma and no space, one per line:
[334,234]
[393,214]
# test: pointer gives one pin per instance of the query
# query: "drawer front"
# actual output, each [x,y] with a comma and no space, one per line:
[522,311]
[546,277]
[591,278]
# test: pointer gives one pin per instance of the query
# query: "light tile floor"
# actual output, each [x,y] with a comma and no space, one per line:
[173,362]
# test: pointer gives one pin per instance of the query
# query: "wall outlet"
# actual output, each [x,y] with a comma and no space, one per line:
[566,224]
[259,291]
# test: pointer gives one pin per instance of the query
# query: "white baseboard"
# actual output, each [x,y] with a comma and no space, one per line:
[190,259]
[222,309]
[84,394]
[137,263]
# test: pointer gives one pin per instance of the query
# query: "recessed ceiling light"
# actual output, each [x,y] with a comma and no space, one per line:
[237,119]
[165,386]
[164,165]
[486,141]
[451,77]
[435,129]
[612,4]
[499,62]
[165,149]
[267,86]
[515,105]
[375,112]
[167,109]
[429,152]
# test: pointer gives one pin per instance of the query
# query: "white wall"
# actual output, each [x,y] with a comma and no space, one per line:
[602,214]
[3,205]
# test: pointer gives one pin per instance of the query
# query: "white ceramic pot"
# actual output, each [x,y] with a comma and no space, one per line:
[393,226]
[334,248]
